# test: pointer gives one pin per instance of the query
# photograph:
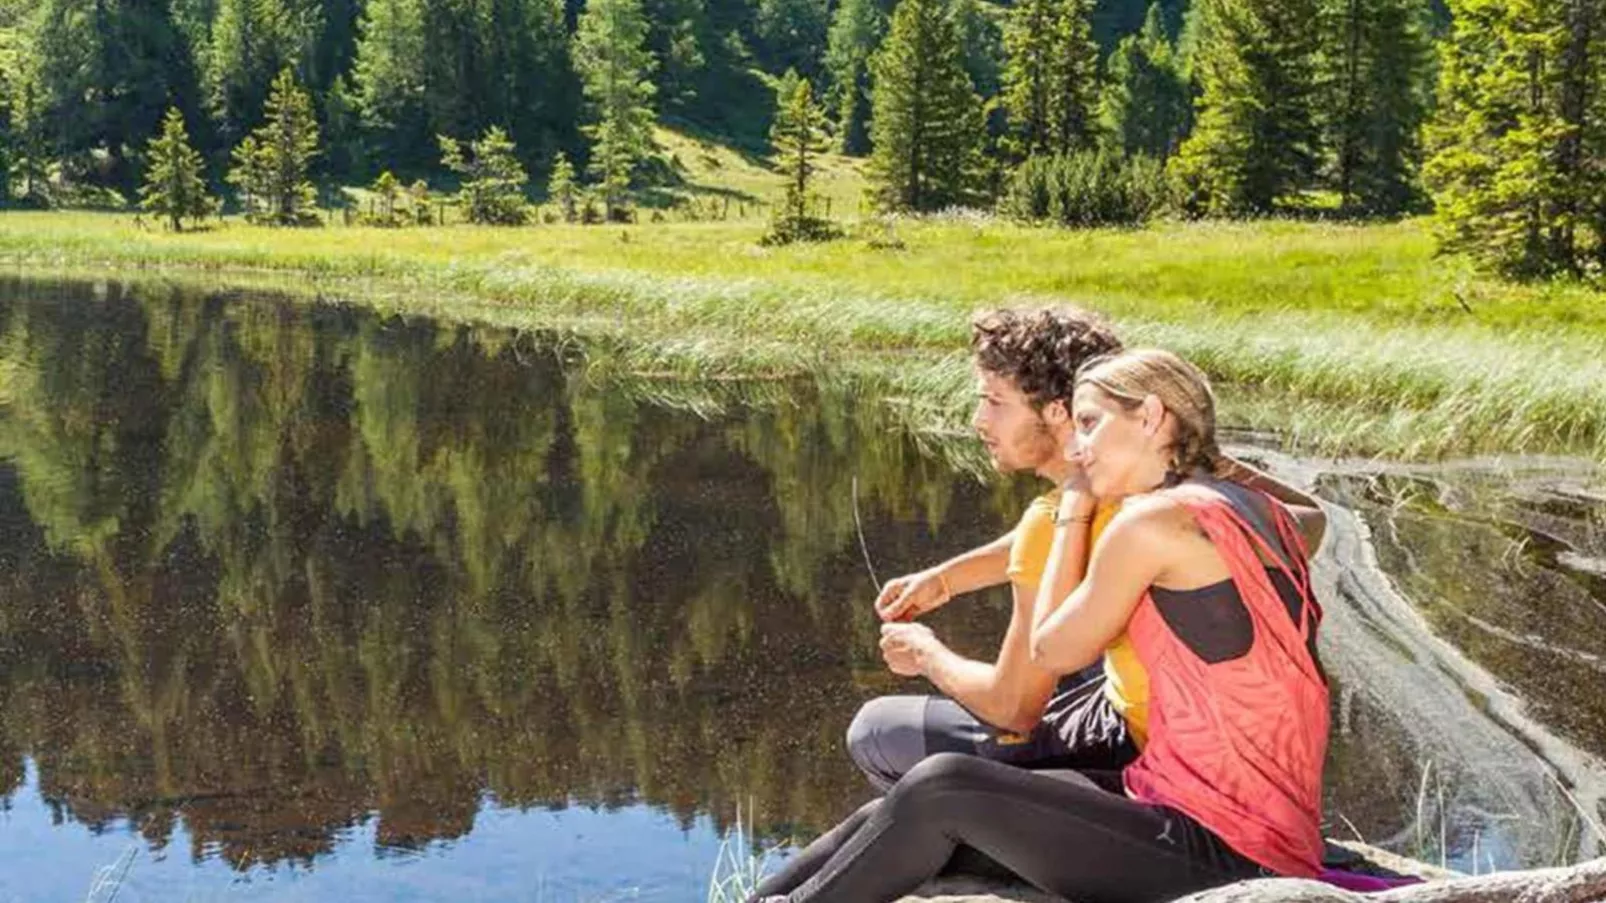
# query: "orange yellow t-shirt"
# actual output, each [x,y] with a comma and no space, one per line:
[1127,683]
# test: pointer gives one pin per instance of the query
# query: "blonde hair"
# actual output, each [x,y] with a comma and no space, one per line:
[1184,390]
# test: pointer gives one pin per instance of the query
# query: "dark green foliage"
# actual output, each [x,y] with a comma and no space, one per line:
[1256,142]
[1520,136]
[798,137]
[981,34]
[1086,189]
[615,65]
[926,121]
[562,190]
[1051,82]
[175,185]
[1114,20]
[1146,107]
[427,67]
[252,41]
[1375,63]
[272,167]
[105,71]
[492,191]
[856,31]
[29,156]
[792,34]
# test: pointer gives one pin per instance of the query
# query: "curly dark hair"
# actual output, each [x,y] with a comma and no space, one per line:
[1040,349]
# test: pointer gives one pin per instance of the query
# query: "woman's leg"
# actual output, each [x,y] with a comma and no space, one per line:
[802,867]
[1056,830]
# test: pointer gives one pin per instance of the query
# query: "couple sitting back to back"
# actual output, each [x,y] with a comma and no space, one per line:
[1193,756]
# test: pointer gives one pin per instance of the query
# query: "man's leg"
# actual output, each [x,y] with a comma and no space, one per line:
[891,734]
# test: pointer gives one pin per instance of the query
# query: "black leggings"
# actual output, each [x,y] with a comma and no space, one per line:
[1056,829]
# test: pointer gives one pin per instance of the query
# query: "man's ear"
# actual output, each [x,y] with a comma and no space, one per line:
[1153,414]
[1054,413]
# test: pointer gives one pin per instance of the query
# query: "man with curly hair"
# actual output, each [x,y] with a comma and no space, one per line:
[1009,709]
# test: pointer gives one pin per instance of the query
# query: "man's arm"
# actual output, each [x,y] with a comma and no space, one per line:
[1307,512]
[912,595]
[1010,693]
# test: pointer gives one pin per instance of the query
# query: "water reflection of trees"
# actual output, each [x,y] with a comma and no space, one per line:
[273,568]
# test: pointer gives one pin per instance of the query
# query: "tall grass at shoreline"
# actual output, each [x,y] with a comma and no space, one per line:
[1345,339]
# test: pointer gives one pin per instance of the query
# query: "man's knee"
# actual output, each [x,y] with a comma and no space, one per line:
[887,737]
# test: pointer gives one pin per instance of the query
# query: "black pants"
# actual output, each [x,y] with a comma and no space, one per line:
[1079,731]
[1056,829]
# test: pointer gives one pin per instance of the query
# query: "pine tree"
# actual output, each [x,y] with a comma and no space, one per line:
[797,136]
[30,154]
[387,189]
[388,80]
[615,65]
[105,73]
[174,185]
[492,191]
[561,188]
[252,41]
[272,167]
[1146,108]
[792,34]
[1256,142]
[1051,79]
[1029,42]
[856,31]
[1518,136]
[926,120]
[1375,63]
[983,43]
[1074,79]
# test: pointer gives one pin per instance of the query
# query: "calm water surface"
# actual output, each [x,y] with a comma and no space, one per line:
[305,603]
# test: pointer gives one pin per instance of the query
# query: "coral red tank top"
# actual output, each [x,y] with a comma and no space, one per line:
[1238,745]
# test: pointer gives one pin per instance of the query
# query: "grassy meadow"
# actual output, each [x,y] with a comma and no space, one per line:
[1344,338]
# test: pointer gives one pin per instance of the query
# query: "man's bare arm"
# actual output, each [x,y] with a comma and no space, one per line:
[915,594]
[1307,511]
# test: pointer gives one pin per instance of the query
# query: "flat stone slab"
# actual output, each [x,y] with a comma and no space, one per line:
[1582,883]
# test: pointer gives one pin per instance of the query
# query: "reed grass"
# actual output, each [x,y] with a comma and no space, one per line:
[1344,339]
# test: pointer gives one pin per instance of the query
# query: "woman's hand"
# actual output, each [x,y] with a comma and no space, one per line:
[912,595]
[905,647]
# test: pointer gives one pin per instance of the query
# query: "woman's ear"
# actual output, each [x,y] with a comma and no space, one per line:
[1153,415]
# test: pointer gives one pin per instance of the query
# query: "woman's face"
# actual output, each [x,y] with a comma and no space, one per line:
[1113,445]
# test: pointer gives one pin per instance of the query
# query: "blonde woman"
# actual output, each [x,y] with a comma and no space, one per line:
[1210,580]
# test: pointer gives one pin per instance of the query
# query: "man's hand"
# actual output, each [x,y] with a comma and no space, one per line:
[905,646]
[910,596]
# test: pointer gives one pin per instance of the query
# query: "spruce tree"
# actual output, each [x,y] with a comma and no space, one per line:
[272,170]
[792,34]
[856,31]
[561,188]
[926,121]
[797,137]
[1029,42]
[175,187]
[1146,107]
[615,65]
[1256,142]
[1051,78]
[30,153]
[388,80]
[492,190]
[1518,135]
[1074,79]
[252,41]
[1375,65]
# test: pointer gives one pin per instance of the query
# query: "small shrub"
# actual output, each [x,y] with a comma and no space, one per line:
[1086,189]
